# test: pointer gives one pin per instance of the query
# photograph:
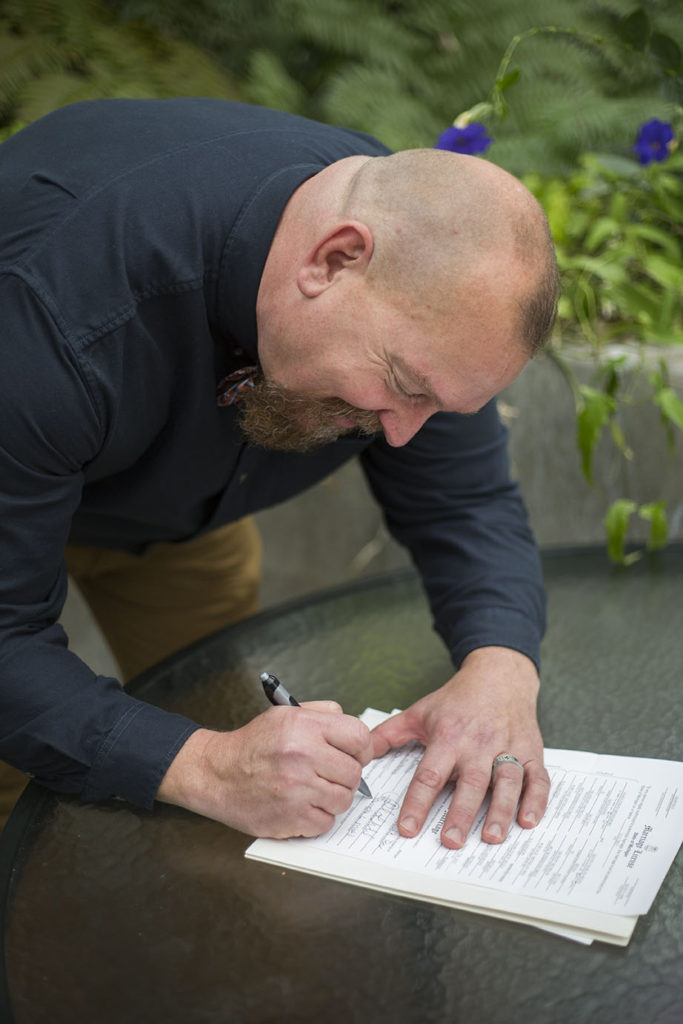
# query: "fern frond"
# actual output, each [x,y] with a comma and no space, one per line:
[270,84]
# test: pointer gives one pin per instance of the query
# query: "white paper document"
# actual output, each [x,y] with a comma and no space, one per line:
[592,865]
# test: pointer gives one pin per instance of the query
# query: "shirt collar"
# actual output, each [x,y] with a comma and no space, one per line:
[247,247]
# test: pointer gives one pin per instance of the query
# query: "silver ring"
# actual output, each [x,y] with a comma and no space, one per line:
[505,759]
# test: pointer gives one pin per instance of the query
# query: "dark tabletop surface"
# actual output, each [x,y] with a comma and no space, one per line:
[113,915]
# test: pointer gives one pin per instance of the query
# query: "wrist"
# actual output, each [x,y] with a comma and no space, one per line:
[504,662]
[184,783]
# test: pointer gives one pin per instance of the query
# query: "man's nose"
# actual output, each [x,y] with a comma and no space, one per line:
[400,426]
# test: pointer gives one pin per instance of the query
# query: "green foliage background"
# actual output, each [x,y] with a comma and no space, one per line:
[401,69]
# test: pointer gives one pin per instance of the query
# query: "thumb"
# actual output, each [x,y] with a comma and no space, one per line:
[393,732]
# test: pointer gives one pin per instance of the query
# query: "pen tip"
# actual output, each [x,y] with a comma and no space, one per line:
[264,677]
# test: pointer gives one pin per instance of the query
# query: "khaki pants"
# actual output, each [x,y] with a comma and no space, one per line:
[150,605]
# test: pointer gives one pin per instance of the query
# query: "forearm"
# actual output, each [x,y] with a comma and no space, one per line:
[448,498]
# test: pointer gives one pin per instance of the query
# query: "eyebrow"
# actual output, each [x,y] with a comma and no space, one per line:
[414,379]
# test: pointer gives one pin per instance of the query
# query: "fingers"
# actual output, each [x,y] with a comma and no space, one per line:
[326,707]
[510,783]
[341,770]
[505,793]
[470,790]
[431,775]
[349,735]
[328,746]
[439,764]
[536,792]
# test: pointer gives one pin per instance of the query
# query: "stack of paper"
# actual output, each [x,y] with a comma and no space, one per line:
[587,871]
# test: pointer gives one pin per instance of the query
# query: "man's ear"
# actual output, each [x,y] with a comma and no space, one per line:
[347,248]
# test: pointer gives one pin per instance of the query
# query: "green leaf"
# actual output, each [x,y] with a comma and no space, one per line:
[595,412]
[637,299]
[666,52]
[613,165]
[557,205]
[655,336]
[616,524]
[651,234]
[620,440]
[603,230]
[634,29]
[606,270]
[655,514]
[670,406]
[507,80]
[664,272]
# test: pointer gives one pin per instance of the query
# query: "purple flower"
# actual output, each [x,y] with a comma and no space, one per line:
[469,140]
[653,142]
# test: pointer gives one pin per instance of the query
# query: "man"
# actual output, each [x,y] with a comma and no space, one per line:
[206,308]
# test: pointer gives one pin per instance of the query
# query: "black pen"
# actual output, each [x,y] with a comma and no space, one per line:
[277,694]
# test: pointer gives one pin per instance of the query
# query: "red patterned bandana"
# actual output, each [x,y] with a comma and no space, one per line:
[232,387]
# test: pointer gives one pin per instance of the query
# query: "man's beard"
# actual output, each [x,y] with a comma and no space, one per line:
[281,420]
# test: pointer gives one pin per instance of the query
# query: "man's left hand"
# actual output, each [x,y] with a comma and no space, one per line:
[487,708]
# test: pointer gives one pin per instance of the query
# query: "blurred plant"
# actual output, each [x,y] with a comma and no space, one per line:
[399,69]
[618,231]
[54,52]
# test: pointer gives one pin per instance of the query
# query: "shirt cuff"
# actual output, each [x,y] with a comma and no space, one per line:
[136,754]
[495,630]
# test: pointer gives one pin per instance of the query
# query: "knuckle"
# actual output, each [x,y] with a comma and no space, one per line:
[343,800]
[464,812]
[536,774]
[362,733]
[428,777]
[477,778]
[504,808]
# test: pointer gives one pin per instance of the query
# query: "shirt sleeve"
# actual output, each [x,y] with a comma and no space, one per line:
[448,497]
[72,730]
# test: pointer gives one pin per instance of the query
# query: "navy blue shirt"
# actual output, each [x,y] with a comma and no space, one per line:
[133,235]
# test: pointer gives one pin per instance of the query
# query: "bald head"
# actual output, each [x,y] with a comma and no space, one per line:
[443,223]
[405,286]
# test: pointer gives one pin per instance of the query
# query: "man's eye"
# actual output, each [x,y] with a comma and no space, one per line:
[414,396]
[405,392]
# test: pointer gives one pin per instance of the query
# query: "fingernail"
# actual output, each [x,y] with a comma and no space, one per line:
[409,825]
[495,831]
[454,835]
[530,819]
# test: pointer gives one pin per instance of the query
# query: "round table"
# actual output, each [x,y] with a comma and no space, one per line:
[113,915]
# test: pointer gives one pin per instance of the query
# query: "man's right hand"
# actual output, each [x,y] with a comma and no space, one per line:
[288,772]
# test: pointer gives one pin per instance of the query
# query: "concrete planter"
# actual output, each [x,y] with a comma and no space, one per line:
[539,412]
